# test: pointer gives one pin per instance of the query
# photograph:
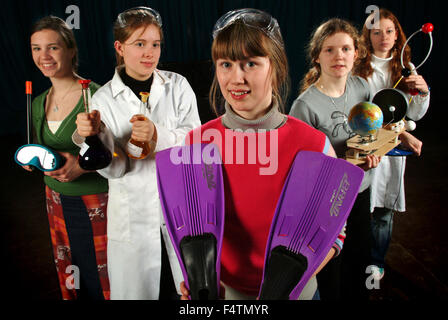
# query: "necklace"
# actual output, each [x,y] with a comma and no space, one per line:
[345,105]
[320,85]
[57,105]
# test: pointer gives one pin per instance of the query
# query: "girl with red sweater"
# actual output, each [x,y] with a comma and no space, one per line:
[257,142]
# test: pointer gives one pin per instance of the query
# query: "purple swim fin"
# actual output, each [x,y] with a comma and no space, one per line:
[191,192]
[316,200]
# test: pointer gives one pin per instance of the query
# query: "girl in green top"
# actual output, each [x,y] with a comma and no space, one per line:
[76,199]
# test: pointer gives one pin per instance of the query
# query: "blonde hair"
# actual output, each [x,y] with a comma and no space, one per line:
[129,21]
[238,41]
[322,33]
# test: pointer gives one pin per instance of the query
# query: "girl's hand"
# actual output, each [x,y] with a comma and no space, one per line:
[70,171]
[28,168]
[142,128]
[372,161]
[88,124]
[411,143]
[415,81]
[184,291]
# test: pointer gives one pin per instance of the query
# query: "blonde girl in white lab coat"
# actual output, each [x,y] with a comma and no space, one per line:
[138,244]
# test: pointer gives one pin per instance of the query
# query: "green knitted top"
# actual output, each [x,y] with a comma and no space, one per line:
[61,140]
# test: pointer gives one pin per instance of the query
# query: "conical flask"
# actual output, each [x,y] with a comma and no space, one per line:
[93,154]
[139,149]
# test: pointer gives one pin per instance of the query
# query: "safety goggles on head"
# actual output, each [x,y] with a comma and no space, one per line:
[252,18]
[38,156]
[146,11]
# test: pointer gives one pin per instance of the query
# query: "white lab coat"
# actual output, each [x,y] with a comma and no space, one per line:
[134,211]
[387,187]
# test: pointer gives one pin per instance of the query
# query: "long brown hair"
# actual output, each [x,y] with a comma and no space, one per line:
[324,31]
[238,42]
[129,21]
[364,68]
[59,26]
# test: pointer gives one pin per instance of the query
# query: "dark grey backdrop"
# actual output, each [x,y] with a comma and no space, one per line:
[187,29]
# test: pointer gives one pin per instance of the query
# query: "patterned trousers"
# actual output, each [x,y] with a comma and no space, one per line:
[78,226]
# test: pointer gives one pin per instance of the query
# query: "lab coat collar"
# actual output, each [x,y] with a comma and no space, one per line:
[159,81]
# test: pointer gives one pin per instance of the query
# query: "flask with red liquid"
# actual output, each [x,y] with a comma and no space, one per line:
[139,149]
[93,154]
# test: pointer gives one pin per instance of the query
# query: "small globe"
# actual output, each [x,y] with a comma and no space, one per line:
[365,118]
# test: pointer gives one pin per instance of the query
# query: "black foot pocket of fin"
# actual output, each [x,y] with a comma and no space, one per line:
[284,269]
[199,257]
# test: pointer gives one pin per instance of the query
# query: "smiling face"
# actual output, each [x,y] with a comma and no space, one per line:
[337,56]
[50,54]
[141,52]
[383,39]
[246,85]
